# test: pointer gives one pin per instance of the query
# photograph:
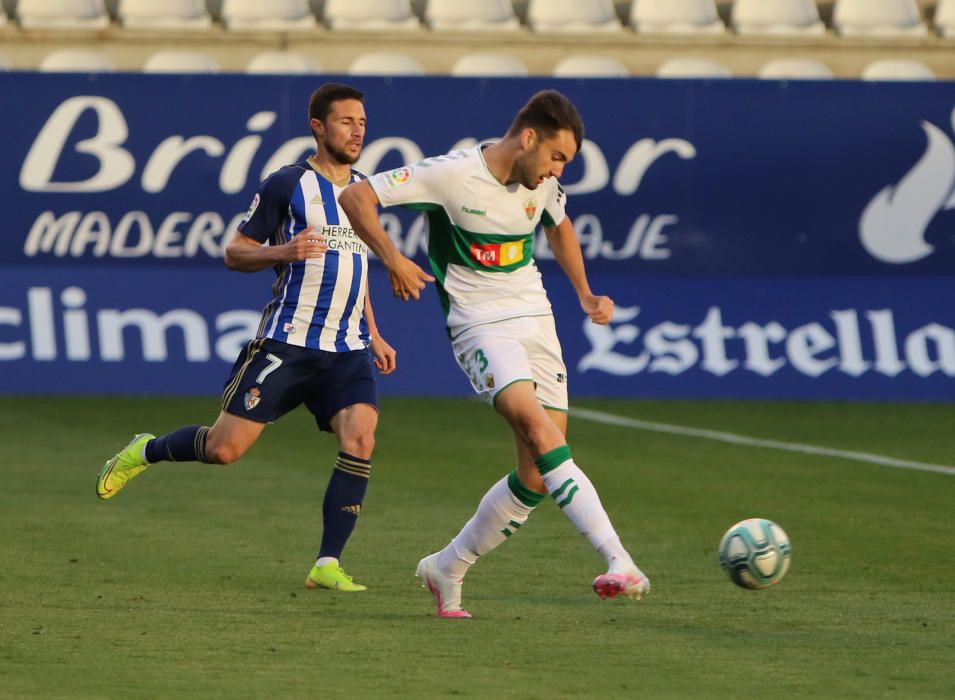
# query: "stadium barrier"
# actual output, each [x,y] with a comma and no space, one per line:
[761,239]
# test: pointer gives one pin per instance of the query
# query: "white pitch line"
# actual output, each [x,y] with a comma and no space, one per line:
[735,439]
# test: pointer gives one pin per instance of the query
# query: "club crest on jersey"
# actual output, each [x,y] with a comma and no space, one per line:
[489,381]
[252,208]
[289,327]
[397,177]
[530,208]
[497,254]
[252,398]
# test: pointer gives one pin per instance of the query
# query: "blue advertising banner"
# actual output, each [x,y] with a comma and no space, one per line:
[760,239]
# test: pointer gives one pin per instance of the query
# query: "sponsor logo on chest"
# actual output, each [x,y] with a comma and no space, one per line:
[498,254]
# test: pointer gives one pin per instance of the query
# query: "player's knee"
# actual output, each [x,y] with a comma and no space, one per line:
[538,435]
[359,444]
[221,454]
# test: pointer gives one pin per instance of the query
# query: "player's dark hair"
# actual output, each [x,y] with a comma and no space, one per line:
[320,103]
[548,112]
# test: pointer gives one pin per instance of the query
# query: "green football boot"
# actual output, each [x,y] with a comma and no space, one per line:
[126,464]
[332,577]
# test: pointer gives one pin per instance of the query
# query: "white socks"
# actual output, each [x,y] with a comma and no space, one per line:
[576,496]
[507,505]
[504,508]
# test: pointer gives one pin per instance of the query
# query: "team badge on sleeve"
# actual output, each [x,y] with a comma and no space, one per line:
[397,177]
[252,208]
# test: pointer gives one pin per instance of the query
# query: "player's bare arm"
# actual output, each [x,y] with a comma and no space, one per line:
[245,254]
[566,247]
[361,206]
[386,358]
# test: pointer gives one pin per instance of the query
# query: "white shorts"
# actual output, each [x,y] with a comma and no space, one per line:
[495,355]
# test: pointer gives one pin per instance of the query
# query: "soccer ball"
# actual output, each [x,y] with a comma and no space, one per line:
[755,553]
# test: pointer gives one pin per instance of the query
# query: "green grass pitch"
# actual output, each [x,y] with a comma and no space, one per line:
[189,583]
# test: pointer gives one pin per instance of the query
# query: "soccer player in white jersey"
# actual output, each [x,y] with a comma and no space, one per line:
[483,205]
[317,340]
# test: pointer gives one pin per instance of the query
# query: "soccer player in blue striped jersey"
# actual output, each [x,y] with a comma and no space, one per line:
[317,341]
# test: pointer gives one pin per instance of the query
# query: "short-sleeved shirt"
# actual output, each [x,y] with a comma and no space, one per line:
[480,234]
[317,303]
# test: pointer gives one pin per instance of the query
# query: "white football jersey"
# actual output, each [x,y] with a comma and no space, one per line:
[480,234]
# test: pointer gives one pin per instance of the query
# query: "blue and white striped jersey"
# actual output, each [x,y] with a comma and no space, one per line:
[317,303]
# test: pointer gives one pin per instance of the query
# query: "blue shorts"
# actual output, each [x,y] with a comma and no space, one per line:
[270,378]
